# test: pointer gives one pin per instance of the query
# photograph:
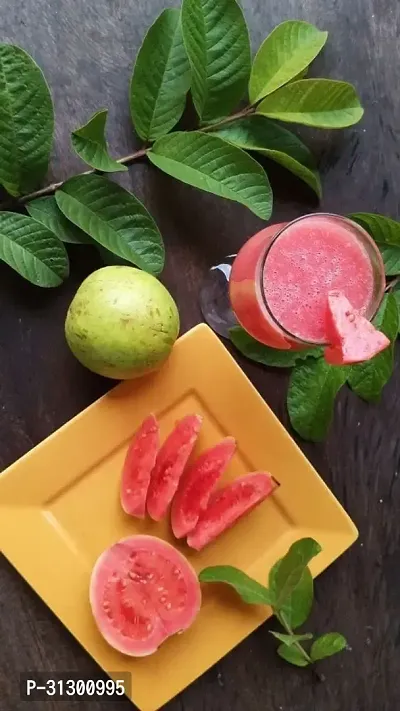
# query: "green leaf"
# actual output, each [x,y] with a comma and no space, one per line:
[396,293]
[327,645]
[368,379]
[161,78]
[313,387]
[284,578]
[26,121]
[46,211]
[209,163]
[90,144]
[297,606]
[292,655]
[259,134]
[111,259]
[218,46]
[391,259]
[287,52]
[290,639]
[32,250]
[300,75]
[323,103]
[114,218]
[256,351]
[249,590]
[386,233]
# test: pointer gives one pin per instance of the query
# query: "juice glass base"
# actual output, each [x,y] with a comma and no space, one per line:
[214,298]
[225,301]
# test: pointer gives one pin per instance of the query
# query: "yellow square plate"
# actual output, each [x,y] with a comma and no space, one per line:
[59,508]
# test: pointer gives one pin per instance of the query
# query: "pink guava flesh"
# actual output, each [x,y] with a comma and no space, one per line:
[143,591]
[196,486]
[139,462]
[229,504]
[353,338]
[170,463]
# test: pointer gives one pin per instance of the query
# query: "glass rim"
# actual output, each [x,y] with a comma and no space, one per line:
[370,314]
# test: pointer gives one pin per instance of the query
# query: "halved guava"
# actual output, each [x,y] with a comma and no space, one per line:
[170,463]
[353,338]
[229,504]
[139,463]
[196,486]
[143,591]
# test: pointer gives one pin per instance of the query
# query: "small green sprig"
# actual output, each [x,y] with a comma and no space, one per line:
[290,594]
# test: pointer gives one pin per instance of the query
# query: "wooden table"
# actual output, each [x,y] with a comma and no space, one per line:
[86,49]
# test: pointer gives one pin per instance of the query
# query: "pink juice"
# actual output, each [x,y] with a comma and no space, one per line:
[281,278]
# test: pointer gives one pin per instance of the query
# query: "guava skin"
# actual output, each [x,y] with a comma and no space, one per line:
[122,323]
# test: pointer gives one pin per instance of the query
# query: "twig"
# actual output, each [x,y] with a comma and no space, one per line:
[229,119]
[282,619]
[51,189]
[392,284]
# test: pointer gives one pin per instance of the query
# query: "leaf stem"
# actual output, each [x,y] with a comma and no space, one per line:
[51,189]
[392,284]
[229,119]
[281,617]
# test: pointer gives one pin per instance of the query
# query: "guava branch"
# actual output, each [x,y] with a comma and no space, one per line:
[229,119]
[50,189]
[126,160]
[392,284]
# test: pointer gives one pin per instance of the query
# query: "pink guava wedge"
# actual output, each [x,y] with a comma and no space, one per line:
[196,486]
[170,463]
[353,338]
[228,505]
[139,463]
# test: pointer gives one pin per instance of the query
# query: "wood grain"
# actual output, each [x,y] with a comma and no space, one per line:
[86,50]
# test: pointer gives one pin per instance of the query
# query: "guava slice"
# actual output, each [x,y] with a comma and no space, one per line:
[139,463]
[353,338]
[170,463]
[197,484]
[143,591]
[229,504]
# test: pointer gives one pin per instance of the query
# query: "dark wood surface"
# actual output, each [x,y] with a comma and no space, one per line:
[86,49]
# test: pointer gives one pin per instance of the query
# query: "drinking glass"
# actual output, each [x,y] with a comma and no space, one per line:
[234,291]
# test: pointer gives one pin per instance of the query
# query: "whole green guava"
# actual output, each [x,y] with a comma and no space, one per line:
[122,322]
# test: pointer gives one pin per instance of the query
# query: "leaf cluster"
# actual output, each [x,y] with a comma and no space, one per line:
[290,594]
[202,48]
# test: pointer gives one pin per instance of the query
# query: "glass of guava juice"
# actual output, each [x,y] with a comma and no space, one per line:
[279,282]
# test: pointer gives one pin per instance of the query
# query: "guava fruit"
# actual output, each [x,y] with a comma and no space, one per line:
[229,504]
[122,322]
[170,463]
[353,338]
[196,485]
[143,591]
[139,462]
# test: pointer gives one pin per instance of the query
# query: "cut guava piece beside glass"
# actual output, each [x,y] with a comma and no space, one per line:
[228,505]
[142,591]
[353,339]
[139,463]
[197,484]
[170,463]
